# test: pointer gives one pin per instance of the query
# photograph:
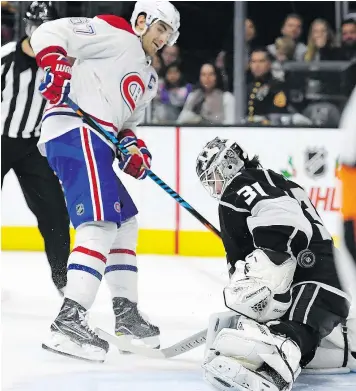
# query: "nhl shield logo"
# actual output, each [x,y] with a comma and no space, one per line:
[79,209]
[315,162]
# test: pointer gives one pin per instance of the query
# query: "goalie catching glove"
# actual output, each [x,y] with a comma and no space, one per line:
[260,286]
[138,161]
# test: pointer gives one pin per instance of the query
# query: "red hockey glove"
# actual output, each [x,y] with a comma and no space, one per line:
[55,86]
[139,159]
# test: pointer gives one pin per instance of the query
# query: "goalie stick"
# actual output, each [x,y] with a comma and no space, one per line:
[123,343]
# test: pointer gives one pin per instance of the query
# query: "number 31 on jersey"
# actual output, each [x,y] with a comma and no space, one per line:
[250,192]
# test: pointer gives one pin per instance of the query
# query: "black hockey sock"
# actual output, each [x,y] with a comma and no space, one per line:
[306,338]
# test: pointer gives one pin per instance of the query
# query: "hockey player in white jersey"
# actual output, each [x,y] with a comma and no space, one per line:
[284,291]
[113,81]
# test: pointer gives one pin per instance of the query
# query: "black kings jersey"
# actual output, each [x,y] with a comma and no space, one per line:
[262,209]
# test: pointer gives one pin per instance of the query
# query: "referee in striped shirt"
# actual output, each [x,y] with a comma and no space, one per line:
[22,107]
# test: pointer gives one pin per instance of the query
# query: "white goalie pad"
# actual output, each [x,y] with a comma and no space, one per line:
[217,322]
[251,355]
[259,288]
[227,374]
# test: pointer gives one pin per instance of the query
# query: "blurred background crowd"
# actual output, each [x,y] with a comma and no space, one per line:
[298,61]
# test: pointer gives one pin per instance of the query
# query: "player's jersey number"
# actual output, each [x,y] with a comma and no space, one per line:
[250,192]
[82,26]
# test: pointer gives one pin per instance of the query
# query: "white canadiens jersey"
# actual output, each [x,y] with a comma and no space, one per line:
[111,77]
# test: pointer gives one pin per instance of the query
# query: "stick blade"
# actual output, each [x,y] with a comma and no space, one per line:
[124,343]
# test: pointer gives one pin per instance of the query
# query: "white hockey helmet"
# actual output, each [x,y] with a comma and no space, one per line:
[218,163]
[155,11]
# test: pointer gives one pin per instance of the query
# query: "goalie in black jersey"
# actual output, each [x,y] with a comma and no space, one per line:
[283,281]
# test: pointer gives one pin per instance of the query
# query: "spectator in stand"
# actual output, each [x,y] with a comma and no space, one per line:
[292,27]
[250,34]
[265,94]
[209,103]
[170,54]
[321,43]
[285,47]
[171,96]
[224,60]
[157,64]
[7,22]
[348,44]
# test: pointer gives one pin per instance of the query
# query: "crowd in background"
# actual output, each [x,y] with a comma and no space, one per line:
[7,22]
[207,97]
[209,100]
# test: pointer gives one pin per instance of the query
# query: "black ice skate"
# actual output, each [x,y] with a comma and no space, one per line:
[71,335]
[129,321]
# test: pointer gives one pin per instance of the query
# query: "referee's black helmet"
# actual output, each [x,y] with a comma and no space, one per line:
[37,13]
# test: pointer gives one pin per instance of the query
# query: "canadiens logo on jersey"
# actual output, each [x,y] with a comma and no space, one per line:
[315,162]
[132,88]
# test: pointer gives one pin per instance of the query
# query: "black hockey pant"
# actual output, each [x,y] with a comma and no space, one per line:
[44,197]
[318,305]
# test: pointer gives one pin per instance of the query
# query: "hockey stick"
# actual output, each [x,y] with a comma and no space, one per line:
[91,122]
[123,343]
[184,346]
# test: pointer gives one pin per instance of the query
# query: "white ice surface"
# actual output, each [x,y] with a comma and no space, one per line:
[177,293]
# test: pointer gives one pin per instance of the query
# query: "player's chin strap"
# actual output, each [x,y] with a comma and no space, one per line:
[110,137]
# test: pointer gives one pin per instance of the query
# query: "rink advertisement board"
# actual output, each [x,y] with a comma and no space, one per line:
[307,156]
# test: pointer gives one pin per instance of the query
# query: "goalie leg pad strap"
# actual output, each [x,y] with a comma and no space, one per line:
[225,373]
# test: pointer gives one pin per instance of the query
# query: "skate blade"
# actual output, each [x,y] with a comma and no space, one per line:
[44,346]
[149,342]
[64,346]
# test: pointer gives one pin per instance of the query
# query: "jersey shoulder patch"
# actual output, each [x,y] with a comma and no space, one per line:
[152,84]
[132,88]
